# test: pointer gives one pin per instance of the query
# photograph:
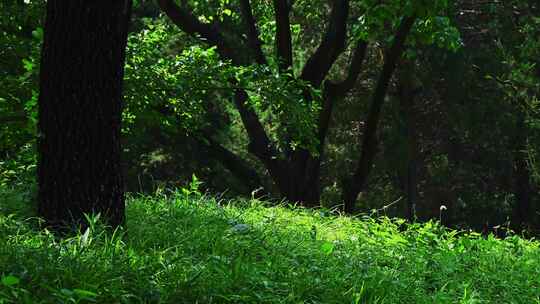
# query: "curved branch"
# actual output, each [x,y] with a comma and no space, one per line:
[260,144]
[340,89]
[333,91]
[252,31]
[184,19]
[332,44]
[369,141]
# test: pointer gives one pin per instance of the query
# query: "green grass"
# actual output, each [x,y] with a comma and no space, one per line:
[177,249]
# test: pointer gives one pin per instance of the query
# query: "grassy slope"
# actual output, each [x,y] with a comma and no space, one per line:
[198,251]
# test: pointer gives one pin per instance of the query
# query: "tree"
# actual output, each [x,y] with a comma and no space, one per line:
[80,111]
[521,86]
[295,168]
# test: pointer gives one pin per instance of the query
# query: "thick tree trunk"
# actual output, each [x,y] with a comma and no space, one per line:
[302,182]
[80,111]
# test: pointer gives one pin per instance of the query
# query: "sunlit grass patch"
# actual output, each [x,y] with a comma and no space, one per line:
[185,248]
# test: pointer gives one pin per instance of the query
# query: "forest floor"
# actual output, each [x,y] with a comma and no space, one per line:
[185,248]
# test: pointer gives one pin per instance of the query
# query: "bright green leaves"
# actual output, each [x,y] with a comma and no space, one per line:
[165,76]
[215,10]
[378,20]
[10,280]
[288,107]
[374,19]
[436,30]
[327,248]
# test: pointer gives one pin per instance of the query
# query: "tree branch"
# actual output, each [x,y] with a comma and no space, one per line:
[340,89]
[233,163]
[260,145]
[259,142]
[184,19]
[369,142]
[252,31]
[332,44]
[283,34]
[333,91]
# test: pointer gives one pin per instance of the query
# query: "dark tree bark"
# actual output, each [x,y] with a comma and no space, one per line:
[331,46]
[304,167]
[252,32]
[283,34]
[357,183]
[338,90]
[408,89]
[80,111]
[522,213]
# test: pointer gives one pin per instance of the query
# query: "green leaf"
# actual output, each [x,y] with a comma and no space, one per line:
[10,280]
[85,293]
[66,292]
[38,33]
[84,237]
[327,248]
[28,65]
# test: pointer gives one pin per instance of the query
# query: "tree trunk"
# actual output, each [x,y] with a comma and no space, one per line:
[522,187]
[80,111]
[408,87]
[295,174]
[302,182]
[354,185]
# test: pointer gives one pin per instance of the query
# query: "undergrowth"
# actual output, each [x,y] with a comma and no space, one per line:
[185,248]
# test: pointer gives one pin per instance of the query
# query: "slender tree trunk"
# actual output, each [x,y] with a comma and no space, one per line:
[409,87]
[353,186]
[522,186]
[80,111]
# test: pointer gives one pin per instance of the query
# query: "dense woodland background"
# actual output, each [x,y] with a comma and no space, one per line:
[369,106]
